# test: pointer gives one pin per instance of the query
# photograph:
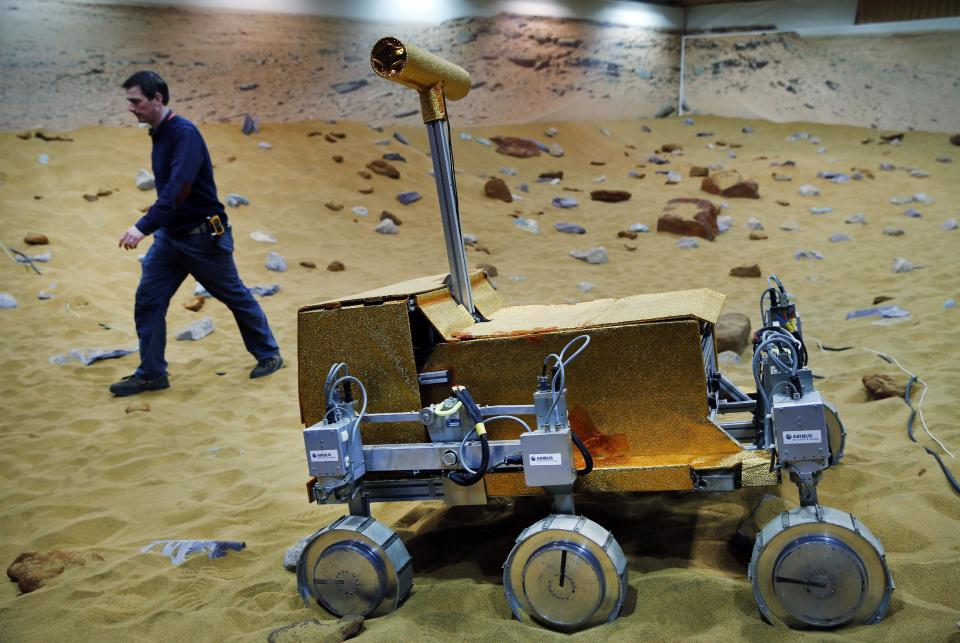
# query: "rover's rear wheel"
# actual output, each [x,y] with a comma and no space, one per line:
[566,573]
[355,566]
[819,567]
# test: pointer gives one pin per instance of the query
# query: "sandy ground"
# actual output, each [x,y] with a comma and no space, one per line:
[220,456]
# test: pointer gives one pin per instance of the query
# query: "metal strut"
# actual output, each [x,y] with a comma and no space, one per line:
[438,134]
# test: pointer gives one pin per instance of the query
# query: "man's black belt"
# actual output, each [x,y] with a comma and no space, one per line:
[212,226]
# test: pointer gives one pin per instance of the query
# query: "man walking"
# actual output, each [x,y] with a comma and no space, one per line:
[191,236]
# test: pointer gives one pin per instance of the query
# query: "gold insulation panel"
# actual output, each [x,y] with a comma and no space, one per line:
[374,341]
[638,389]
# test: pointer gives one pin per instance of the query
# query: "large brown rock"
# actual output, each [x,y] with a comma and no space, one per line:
[513,146]
[746,271]
[383,168]
[690,218]
[732,332]
[729,184]
[30,569]
[549,176]
[697,170]
[36,239]
[881,386]
[610,196]
[496,188]
[955,139]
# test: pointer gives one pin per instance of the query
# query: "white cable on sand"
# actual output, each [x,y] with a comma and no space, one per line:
[923,421]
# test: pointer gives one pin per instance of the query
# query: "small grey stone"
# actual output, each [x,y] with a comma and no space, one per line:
[197,329]
[656,160]
[43,159]
[902,265]
[469,239]
[950,303]
[585,286]
[809,190]
[919,174]
[387,226]
[688,121]
[527,224]
[406,198]
[263,145]
[807,254]
[891,231]
[144,180]
[600,178]
[484,141]
[754,224]
[821,210]
[523,187]
[592,255]
[360,211]
[569,228]
[401,138]
[564,202]
[465,136]
[888,167]
[944,159]
[292,556]
[394,156]
[839,236]
[605,131]
[550,131]
[688,242]
[747,130]
[7,301]
[235,200]
[729,357]
[382,141]
[276,262]
[724,222]
[913,213]
[639,227]
[508,171]
[554,149]
[674,178]
[250,124]
[859,217]
[949,224]
[645,74]
[348,86]
[790,226]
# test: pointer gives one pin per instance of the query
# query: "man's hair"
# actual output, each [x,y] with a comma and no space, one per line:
[150,83]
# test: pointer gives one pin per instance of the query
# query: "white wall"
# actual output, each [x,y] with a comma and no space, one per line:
[787,15]
[434,11]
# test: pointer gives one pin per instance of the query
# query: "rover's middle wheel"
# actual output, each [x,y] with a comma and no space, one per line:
[819,567]
[356,565]
[566,573]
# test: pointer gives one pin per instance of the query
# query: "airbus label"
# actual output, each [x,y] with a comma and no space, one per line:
[801,437]
[545,458]
[324,456]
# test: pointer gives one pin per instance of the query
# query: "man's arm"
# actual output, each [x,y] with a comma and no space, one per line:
[185,164]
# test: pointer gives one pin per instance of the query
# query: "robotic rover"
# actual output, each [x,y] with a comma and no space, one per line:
[432,389]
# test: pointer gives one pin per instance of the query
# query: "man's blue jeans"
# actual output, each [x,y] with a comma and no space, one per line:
[210,260]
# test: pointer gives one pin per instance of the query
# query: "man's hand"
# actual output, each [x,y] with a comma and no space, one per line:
[131,238]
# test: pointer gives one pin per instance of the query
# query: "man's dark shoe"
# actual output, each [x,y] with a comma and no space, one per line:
[133,384]
[266,367]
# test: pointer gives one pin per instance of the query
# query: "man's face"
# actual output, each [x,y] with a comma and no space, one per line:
[145,109]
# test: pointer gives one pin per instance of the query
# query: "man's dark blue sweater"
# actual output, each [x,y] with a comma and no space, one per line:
[186,193]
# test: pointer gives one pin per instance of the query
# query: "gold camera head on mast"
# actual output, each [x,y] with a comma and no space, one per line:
[434,78]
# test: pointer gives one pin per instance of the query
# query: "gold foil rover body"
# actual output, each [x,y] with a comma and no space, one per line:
[637,396]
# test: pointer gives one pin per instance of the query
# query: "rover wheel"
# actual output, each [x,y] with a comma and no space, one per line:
[819,567]
[355,566]
[566,573]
